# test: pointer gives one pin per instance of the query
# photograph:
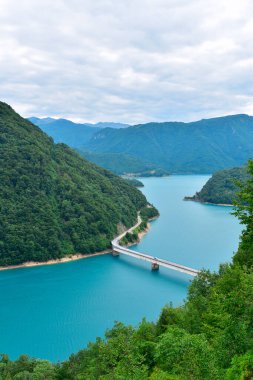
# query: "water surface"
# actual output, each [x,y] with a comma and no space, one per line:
[52,311]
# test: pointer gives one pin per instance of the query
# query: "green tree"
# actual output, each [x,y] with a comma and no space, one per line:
[244,211]
[184,354]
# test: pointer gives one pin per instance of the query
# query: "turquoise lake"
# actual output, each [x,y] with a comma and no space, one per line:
[52,311]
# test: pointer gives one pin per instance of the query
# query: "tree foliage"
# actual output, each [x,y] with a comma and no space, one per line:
[222,187]
[244,211]
[52,201]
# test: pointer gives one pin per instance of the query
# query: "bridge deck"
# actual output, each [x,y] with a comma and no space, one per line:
[153,260]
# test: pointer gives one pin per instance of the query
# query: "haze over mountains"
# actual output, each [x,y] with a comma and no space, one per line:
[203,146]
[73,134]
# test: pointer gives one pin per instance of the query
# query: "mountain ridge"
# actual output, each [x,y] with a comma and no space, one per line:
[196,147]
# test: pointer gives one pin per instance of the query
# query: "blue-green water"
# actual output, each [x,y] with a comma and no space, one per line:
[52,311]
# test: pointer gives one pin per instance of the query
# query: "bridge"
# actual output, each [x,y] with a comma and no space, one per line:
[155,261]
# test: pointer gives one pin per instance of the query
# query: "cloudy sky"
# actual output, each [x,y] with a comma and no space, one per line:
[127,60]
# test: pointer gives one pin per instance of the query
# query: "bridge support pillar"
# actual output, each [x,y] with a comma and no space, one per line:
[155,266]
[114,253]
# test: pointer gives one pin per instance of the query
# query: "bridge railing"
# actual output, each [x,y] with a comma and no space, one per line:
[154,260]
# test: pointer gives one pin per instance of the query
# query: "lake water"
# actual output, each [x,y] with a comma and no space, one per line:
[52,311]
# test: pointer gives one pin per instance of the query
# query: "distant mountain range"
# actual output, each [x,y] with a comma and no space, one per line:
[79,133]
[203,146]
[65,131]
[78,136]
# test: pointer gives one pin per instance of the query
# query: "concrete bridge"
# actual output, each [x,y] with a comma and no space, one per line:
[155,261]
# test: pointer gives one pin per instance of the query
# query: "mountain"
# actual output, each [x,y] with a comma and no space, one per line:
[52,201]
[65,131]
[38,121]
[124,164]
[110,125]
[49,120]
[222,187]
[204,146]
[78,135]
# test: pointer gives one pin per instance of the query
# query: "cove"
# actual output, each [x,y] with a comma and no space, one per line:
[52,311]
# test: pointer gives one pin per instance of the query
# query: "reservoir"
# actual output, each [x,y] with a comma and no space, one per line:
[52,311]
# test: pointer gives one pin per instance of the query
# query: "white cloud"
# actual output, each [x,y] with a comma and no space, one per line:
[131,61]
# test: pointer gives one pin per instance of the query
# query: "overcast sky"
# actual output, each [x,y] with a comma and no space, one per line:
[131,61]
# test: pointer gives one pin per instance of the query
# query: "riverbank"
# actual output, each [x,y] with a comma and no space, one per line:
[74,257]
[66,259]
[141,234]
[207,203]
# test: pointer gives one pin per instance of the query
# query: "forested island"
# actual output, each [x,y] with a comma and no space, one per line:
[52,201]
[222,187]
[210,337]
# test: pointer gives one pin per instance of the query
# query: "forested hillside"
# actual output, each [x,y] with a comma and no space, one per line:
[209,338]
[222,187]
[52,201]
[198,147]
[122,164]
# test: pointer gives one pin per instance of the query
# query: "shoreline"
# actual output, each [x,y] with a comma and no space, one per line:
[74,257]
[140,236]
[208,203]
[65,259]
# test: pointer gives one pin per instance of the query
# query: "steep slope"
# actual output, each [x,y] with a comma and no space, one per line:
[53,202]
[222,187]
[198,147]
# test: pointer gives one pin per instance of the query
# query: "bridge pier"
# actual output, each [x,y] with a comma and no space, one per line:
[155,266]
[114,253]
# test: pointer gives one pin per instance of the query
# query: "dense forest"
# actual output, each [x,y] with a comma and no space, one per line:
[134,182]
[52,201]
[209,338]
[204,146]
[122,164]
[222,187]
